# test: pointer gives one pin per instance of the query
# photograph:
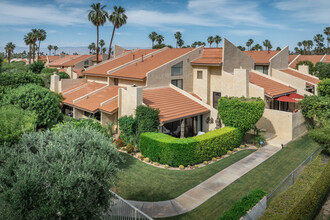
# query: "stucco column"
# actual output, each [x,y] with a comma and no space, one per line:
[182,128]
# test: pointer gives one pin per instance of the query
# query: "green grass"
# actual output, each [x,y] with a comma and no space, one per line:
[142,182]
[266,176]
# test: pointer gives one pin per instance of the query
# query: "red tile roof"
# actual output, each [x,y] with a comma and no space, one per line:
[110,107]
[301,76]
[262,56]
[76,60]
[61,61]
[140,69]
[210,56]
[271,87]
[313,58]
[53,58]
[172,105]
[78,72]
[100,58]
[327,59]
[292,57]
[105,66]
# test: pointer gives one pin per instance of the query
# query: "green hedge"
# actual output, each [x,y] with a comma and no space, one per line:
[166,149]
[304,198]
[241,207]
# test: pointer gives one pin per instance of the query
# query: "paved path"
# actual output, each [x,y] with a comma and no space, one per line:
[205,190]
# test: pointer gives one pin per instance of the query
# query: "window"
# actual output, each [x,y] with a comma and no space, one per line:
[86,62]
[310,88]
[177,69]
[88,114]
[199,74]
[262,69]
[115,81]
[178,83]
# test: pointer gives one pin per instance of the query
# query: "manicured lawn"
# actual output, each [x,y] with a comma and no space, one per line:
[140,181]
[266,176]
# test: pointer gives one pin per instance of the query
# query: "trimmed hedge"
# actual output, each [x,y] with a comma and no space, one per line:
[303,199]
[241,207]
[166,149]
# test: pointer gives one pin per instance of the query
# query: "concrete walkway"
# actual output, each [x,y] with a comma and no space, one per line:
[205,190]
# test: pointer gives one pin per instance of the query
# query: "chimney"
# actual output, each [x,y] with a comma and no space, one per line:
[142,58]
[129,99]
[303,69]
[241,82]
[54,82]
[133,56]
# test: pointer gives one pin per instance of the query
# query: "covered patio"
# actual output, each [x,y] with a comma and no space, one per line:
[288,103]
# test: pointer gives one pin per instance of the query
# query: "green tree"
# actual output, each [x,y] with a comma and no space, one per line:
[153,36]
[278,48]
[326,31]
[98,16]
[147,119]
[319,43]
[36,99]
[102,43]
[34,38]
[305,44]
[104,50]
[10,49]
[241,48]
[267,44]
[29,41]
[306,62]
[14,122]
[210,40]
[217,40]
[50,47]
[37,66]
[118,18]
[180,43]
[177,36]
[310,46]
[249,43]
[159,39]
[41,36]
[316,109]
[322,70]
[62,174]
[16,79]
[323,87]
[55,49]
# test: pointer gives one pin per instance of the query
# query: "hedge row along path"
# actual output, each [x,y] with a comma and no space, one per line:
[205,190]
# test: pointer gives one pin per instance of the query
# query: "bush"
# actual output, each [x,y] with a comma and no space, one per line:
[14,67]
[147,119]
[47,77]
[322,70]
[14,122]
[308,63]
[57,175]
[303,199]
[241,112]
[36,99]
[129,148]
[321,136]
[323,88]
[119,143]
[49,70]
[127,126]
[241,207]
[37,66]
[174,151]
[14,80]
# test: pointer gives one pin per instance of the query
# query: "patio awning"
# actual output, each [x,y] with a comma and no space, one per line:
[295,96]
[286,99]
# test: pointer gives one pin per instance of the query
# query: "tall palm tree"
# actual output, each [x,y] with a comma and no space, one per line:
[177,36]
[152,36]
[104,50]
[319,42]
[41,36]
[217,39]
[326,31]
[118,18]
[50,47]
[93,48]
[299,45]
[102,43]
[9,48]
[180,42]
[210,40]
[305,44]
[98,16]
[90,48]
[28,41]
[257,47]
[55,49]
[34,37]
[249,43]
[159,39]
[309,46]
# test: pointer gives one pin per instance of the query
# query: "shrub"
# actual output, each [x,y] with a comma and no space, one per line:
[321,136]
[127,126]
[16,79]
[303,199]
[156,164]
[241,113]
[214,159]
[47,77]
[36,99]
[181,167]
[14,122]
[14,67]
[166,166]
[241,207]
[119,143]
[322,70]
[129,148]
[205,162]
[37,66]
[323,87]
[229,152]
[174,151]
[195,166]
[57,175]
[49,70]
[147,160]
[147,119]
[306,62]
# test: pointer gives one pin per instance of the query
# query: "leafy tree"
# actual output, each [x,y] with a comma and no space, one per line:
[241,48]
[9,49]
[63,174]
[128,129]
[36,99]
[118,18]
[159,39]
[41,36]
[249,43]
[210,40]
[321,136]
[28,39]
[322,70]
[37,66]
[49,70]
[50,47]
[241,113]
[147,119]
[55,49]
[257,47]
[152,36]
[278,48]
[323,87]
[14,122]
[308,63]
[316,109]
[98,16]
[217,40]
[198,43]
[319,42]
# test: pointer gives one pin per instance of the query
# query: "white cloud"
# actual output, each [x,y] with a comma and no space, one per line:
[17,14]
[315,11]
[245,32]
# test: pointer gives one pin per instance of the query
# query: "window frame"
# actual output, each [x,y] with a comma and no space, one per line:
[175,67]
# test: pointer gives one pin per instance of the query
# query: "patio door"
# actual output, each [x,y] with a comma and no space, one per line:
[216,97]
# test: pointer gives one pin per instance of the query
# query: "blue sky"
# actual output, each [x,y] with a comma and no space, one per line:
[283,22]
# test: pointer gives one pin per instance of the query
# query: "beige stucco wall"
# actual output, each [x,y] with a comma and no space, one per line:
[98,79]
[215,82]
[299,125]
[256,91]
[125,82]
[279,61]
[77,113]
[117,50]
[236,84]
[66,84]
[81,64]
[128,99]
[107,118]
[201,87]
[232,58]
[161,76]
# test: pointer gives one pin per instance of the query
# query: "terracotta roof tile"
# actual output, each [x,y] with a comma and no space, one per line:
[301,76]
[78,72]
[76,60]
[105,66]
[262,56]
[140,69]
[292,57]
[271,87]
[53,58]
[210,56]
[61,61]
[327,59]
[110,107]
[313,58]
[172,104]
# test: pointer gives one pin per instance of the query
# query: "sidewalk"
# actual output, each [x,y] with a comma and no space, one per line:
[205,190]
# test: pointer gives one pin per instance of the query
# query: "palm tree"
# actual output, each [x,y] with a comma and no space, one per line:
[257,47]
[278,48]
[305,44]
[217,39]
[93,47]
[249,43]
[241,48]
[50,47]
[118,18]
[34,37]
[319,42]
[180,42]
[210,40]
[104,50]
[9,48]
[309,46]
[101,44]
[98,16]
[41,36]
[266,44]
[55,49]
[159,39]
[299,45]
[152,36]
[28,41]
[326,31]
[90,48]
[177,36]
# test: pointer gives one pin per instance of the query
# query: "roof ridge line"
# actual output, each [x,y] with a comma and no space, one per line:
[88,94]
[109,100]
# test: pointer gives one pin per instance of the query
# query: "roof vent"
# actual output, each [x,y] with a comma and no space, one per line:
[142,58]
